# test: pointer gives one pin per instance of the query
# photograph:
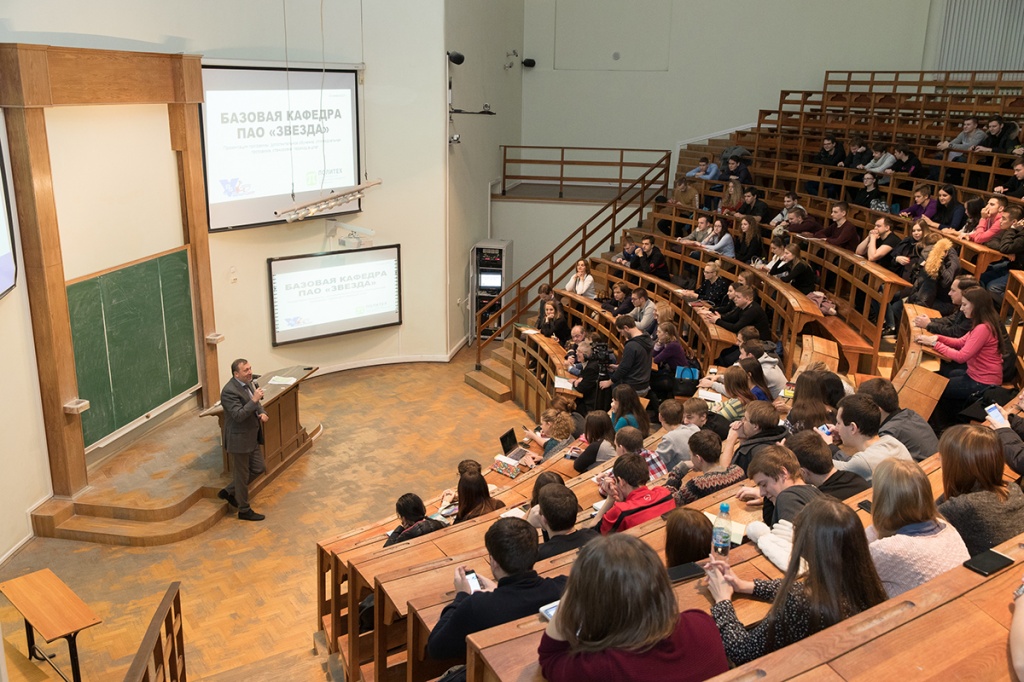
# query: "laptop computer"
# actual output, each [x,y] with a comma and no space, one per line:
[510,446]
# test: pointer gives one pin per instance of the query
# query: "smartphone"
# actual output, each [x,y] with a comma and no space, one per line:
[996,416]
[865,505]
[474,582]
[825,430]
[988,562]
[685,572]
[712,370]
[548,610]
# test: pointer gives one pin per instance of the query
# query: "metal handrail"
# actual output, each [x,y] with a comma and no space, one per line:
[601,228]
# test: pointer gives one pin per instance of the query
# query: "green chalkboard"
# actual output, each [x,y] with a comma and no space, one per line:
[134,341]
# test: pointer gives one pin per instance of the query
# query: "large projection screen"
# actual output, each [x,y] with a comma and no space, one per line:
[325,294]
[269,134]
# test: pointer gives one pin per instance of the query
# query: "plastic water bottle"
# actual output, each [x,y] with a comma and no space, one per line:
[721,535]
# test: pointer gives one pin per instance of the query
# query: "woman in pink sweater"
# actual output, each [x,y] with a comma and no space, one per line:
[979,349]
[910,542]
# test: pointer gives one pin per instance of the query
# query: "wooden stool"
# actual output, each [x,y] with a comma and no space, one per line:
[49,606]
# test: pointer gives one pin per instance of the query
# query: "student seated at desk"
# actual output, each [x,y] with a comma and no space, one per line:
[737,393]
[475,497]
[857,423]
[517,590]
[840,581]
[555,427]
[449,496]
[619,620]
[977,501]
[626,410]
[544,479]
[558,510]
[628,500]
[687,536]
[818,469]
[414,520]
[780,485]
[619,303]
[706,455]
[674,448]
[600,437]
[696,412]
[910,543]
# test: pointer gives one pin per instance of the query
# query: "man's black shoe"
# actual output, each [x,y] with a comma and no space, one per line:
[225,495]
[250,516]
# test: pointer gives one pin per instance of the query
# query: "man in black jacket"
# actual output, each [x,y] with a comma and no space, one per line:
[518,592]
[830,154]
[747,313]
[635,366]
[649,259]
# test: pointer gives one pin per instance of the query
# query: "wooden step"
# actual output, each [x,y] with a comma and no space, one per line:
[493,389]
[502,355]
[196,519]
[497,370]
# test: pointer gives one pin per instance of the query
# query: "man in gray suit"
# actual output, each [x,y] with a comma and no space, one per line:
[243,434]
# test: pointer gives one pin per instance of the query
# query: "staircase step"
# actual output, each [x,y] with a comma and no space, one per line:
[502,355]
[493,389]
[497,370]
[196,519]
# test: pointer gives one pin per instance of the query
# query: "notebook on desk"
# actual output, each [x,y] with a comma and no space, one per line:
[510,446]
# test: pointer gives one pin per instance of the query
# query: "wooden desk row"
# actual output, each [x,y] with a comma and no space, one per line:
[788,310]
[707,340]
[419,575]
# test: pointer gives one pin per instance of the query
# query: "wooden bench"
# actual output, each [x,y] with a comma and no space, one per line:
[52,609]
[1013,307]
[537,360]
[859,285]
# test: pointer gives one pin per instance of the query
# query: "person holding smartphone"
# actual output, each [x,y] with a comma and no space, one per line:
[516,590]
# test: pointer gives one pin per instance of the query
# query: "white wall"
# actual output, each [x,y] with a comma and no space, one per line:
[116,176]
[484,32]
[535,228]
[725,61]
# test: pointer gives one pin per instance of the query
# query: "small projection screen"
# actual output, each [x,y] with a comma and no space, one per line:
[271,133]
[325,294]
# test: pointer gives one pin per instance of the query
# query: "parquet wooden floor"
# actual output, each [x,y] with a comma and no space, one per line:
[248,589]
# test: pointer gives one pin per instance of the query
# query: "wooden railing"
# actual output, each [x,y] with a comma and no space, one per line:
[561,166]
[598,232]
[161,656]
[970,82]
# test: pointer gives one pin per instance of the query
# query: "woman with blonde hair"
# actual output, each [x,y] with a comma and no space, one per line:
[977,501]
[909,542]
[619,620]
[555,426]
[582,282]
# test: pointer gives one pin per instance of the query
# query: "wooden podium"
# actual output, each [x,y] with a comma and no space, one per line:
[284,436]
